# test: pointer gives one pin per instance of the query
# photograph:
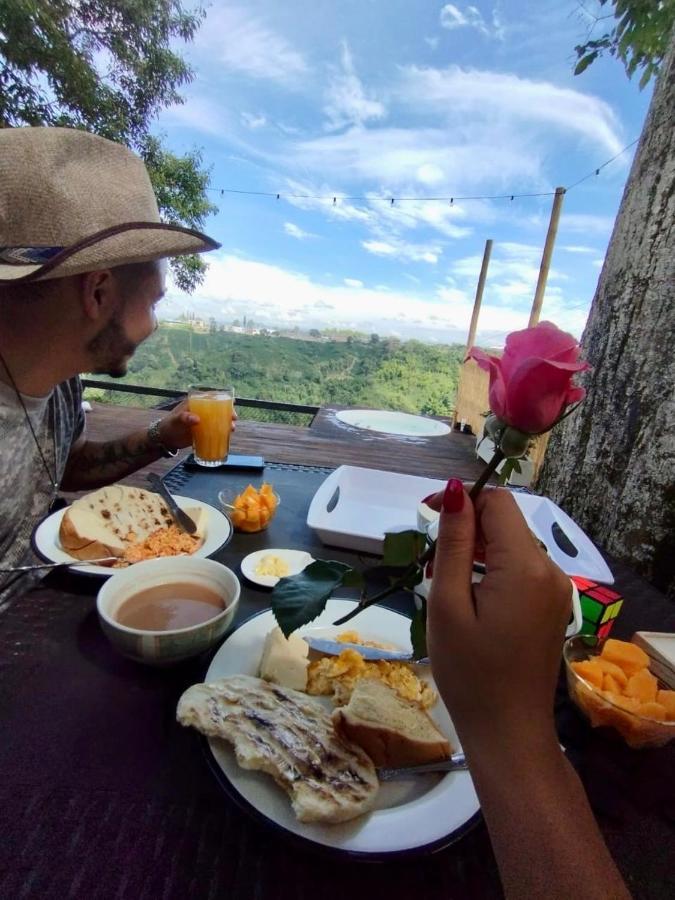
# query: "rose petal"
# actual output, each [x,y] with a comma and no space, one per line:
[538,392]
[543,341]
[497,392]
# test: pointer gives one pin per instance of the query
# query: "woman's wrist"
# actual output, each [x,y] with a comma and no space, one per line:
[519,746]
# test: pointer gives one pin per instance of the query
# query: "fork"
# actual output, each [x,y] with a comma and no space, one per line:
[456,762]
[56,565]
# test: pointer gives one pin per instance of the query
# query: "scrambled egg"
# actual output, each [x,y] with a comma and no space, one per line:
[170,541]
[272,565]
[337,676]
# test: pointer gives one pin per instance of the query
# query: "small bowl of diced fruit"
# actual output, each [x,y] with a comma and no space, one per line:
[611,683]
[251,510]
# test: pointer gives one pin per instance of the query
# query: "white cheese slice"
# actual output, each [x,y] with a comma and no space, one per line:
[285,661]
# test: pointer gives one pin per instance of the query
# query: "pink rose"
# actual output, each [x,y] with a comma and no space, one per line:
[531,384]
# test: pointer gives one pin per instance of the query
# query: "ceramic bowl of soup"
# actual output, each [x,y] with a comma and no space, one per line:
[162,611]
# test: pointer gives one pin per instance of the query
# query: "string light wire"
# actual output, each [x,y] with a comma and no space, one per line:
[391,201]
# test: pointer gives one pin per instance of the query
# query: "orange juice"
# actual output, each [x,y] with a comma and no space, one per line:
[211,438]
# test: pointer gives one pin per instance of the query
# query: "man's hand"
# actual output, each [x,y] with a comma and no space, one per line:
[175,429]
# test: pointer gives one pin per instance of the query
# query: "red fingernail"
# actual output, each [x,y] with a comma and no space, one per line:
[427,499]
[429,571]
[453,497]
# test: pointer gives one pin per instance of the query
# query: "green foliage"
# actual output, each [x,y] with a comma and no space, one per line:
[411,377]
[418,632]
[107,67]
[639,38]
[299,599]
[403,547]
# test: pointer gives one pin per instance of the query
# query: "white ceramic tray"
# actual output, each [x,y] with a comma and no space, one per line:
[354,507]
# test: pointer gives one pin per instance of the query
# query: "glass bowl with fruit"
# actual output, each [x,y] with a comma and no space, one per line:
[610,682]
[251,510]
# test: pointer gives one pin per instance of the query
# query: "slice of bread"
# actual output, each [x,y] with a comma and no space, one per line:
[291,737]
[392,731]
[84,536]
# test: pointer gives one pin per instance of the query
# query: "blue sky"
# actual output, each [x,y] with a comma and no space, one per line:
[401,98]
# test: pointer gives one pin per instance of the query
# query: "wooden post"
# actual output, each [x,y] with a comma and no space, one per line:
[479,295]
[546,257]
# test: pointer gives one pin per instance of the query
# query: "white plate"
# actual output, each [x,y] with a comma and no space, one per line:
[46,541]
[416,814]
[387,422]
[296,560]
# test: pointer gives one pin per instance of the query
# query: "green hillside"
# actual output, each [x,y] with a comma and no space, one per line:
[410,376]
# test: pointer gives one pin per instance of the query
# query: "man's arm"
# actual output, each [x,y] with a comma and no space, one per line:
[93,464]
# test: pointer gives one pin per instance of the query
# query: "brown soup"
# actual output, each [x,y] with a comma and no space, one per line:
[166,607]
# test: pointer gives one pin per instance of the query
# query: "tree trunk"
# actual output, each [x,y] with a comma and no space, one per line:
[611,465]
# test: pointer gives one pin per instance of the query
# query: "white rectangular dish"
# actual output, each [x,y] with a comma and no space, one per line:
[354,507]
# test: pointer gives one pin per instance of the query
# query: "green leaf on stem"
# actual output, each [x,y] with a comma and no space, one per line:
[299,599]
[402,547]
[418,632]
[353,578]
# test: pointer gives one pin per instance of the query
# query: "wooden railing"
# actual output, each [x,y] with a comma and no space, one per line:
[302,413]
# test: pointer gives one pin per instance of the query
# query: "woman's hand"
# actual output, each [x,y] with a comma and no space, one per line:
[495,646]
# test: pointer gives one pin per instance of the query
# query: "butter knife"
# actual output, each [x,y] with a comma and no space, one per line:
[184,522]
[456,762]
[335,648]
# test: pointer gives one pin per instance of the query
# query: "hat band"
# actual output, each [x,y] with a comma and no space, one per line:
[27,256]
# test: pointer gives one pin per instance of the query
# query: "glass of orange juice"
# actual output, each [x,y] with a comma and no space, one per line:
[211,438]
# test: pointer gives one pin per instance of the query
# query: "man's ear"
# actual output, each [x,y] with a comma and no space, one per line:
[99,294]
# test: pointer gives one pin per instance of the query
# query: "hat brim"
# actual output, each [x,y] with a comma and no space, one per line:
[132,242]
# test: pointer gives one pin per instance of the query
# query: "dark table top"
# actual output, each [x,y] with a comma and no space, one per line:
[103,795]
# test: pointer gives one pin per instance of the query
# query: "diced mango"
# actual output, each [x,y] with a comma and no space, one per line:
[627,656]
[253,509]
[667,700]
[590,671]
[631,704]
[610,668]
[611,685]
[652,710]
[643,686]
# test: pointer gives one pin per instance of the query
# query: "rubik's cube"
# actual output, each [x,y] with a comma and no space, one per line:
[599,606]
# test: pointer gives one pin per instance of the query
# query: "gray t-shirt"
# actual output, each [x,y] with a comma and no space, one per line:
[26,490]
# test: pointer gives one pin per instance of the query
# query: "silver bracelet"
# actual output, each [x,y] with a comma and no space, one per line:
[156,440]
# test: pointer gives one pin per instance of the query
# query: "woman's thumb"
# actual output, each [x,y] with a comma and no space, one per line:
[453,560]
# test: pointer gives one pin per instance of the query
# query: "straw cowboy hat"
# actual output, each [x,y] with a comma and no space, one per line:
[74,202]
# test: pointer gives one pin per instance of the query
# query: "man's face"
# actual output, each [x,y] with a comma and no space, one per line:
[140,288]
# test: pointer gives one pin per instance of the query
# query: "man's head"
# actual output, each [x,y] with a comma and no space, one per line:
[98,319]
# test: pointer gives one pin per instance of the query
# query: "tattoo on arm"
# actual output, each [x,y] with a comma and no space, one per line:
[96,464]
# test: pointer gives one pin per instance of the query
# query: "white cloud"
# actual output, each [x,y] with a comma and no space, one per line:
[468,156]
[295,231]
[578,248]
[453,17]
[246,45]
[432,42]
[273,295]
[253,121]
[494,97]
[347,103]
[585,223]
[404,251]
